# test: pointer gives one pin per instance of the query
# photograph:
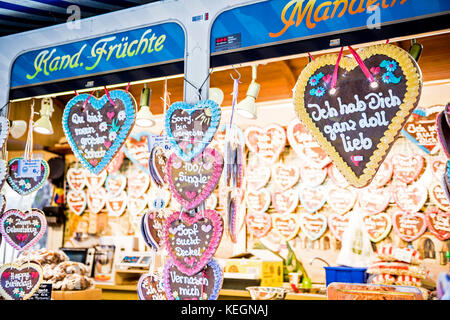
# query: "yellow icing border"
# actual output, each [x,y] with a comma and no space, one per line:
[413,88]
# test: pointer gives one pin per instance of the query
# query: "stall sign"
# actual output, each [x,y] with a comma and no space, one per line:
[127,50]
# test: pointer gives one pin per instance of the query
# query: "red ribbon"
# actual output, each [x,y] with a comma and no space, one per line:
[85,102]
[109,98]
[128,87]
[310,56]
[362,65]
[336,67]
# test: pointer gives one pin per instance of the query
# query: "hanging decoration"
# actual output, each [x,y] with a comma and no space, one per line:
[94,181]
[20,282]
[377,225]
[313,225]
[409,225]
[76,200]
[286,225]
[76,178]
[267,143]
[438,222]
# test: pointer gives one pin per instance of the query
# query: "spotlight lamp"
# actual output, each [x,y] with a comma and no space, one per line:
[144,117]
[44,125]
[216,95]
[247,107]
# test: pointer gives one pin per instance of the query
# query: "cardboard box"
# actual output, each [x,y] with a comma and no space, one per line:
[261,264]
[89,294]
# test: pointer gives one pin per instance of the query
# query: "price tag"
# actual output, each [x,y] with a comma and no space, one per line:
[29,168]
[403,254]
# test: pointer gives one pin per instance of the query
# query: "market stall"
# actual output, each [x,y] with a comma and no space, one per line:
[254,150]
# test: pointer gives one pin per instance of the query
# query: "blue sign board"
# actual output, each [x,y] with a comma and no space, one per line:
[276,21]
[131,49]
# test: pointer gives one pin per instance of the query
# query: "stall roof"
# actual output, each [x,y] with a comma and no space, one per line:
[23,15]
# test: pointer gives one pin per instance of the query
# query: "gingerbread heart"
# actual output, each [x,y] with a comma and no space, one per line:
[410,198]
[231,214]
[286,225]
[116,203]
[285,176]
[257,177]
[158,165]
[374,200]
[94,181]
[304,144]
[421,129]
[267,143]
[20,282]
[22,229]
[258,200]
[192,241]
[116,162]
[438,196]
[150,287]
[443,131]
[337,224]
[153,224]
[137,149]
[258,223]
[407,167]
[96,199]
[76,200]
[336,176]
[356,122]
[285,201]
[204,285]
[438,222]
[137,204]
[377,225]
[409,225]
[24,183]
[76,178]
[190,128]
[312,176]
[383,175]
[341,200]
[115,183]
[137,182]
[437,166]
[193,181]
[312,198]
[313,225]
[4,130]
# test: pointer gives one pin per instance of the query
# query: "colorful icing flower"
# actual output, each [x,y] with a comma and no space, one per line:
[103,126]
[389,77]
[314,80]
[112,135]
[10,220]
[389,65]
[21,182]
[28,185]
[121,116]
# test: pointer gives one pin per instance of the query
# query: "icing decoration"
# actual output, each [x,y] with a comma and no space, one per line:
[194,125]
[137,204]
[86,117]
[258,200]
[150,287]
[312,198]
[94,181]
[312,176]
[285,176]
[26,185]
[443,131]
[313,225]
[115,183]
[4,130]
[286,225]
[154,222]
[204,285]
[407,167]
[266,143]
[192,182]
[421,129]
[3,172]
[336,176]
[2,208]
[377,225]
[20,282]
[410,198]
[136,149]
[374,200]
[285,201]
[409,226]
[22,229]
[341,200]
[358,123]
[258,223]
[438,196]
[116,204]
[303,143]
[137,182]
[192,241]
[76,200]
[257,177]
[116,162]
[76,178]
[383,175]
[96,199]
[158,198]
[438,222]
[337,224]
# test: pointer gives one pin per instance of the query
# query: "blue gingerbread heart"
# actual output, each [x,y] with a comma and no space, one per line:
[190,128]
[97,129]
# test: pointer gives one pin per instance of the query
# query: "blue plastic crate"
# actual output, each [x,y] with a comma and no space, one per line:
[345,274]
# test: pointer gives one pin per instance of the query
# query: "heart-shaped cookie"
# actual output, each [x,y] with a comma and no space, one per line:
[312,198]
[116,162]
[22,229]
[258,223]
[341,200]
[258,200]
[313,225]
[94,181]
[438,222]
[96,199]
[136,205]
[438,167]
[377,225]
[158,165]
[336,176]
[150,287]
[312,176]
[136,148]
[116,203]
[306,147]
[267,143]
[193,181]
[383,175]
[421,130]
[76,200]
[438,196]
[204,285]
[337,224]
[285,201]
[153,223]
[407,167]
[137,182]
[357,122]
[257,177]
[443,131]
[409,226]
[76,178]
[231,214]
[4,130]
[194,125]
[286,225]
[19,282]
[374,200]
[158,198]
[192,241]
[285,176]
[25,184]
[115,183]
[410,198]
[96,129]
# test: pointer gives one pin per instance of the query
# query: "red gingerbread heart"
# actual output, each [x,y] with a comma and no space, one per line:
[409,226]
[285,176]
[337,224]
[407,167]
[76,178]
[285,201]
[410,198]
[374,200]
[313,225]
[437,195]
[438,222]
[258,223]
[258,200]
[286,225]
[266,143]
[383,175]
[257,177]
[378,225]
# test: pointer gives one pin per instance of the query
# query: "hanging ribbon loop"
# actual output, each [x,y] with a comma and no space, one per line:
[361,65]
[336,68]
[109,98]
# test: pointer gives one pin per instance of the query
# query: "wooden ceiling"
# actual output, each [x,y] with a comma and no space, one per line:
[276,78]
